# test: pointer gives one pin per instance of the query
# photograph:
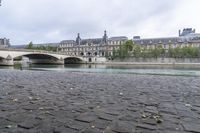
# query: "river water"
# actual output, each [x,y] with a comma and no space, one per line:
[181,70]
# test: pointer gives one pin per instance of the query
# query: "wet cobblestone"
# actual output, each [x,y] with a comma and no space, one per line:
[69,102]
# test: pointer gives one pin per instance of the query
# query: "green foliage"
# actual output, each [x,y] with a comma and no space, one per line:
[158,51]
[42,47]
[18,58]
[184,52]
[30,46]
[129,49]
[125,50]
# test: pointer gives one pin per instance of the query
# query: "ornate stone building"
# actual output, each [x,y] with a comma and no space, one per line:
[96,47]
[187,37]
[4,43]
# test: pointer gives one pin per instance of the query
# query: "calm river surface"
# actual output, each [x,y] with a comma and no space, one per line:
[183,70]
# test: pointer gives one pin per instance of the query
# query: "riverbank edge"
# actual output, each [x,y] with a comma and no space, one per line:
[134,63]
[150,61]
[140,63]
[143,61]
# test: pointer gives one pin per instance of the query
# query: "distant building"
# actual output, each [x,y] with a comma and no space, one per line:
[47,44]
[18,46]
[186,31]
[99,47]
[187,37]
[4,43]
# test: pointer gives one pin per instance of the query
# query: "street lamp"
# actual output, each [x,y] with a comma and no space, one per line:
[0,2]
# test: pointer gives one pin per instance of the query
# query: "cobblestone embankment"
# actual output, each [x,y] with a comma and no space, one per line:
[66,102]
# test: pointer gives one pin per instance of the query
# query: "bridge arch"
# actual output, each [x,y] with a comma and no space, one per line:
[38,56]
[2,57]
[41,58]
[73,60]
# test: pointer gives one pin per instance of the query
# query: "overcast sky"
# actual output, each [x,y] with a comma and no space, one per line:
[43,21]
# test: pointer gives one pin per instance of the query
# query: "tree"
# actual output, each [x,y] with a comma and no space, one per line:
[30,45]
[158,51]
[129,49]
[41,47]
[137,51]
[125,50]
[129,45]
[171,52]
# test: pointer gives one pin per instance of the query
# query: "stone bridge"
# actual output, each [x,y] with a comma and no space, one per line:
[7,57]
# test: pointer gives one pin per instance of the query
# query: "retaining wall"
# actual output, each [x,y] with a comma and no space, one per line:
[157,61]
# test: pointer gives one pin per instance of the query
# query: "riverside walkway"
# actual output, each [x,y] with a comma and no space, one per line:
[69,102]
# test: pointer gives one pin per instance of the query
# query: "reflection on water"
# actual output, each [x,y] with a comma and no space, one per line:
[184,70]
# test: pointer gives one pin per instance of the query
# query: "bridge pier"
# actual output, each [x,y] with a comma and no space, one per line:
[6,62]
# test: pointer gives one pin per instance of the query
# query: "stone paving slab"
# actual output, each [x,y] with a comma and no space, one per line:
[73,102]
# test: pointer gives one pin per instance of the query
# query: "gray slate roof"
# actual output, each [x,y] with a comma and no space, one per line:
[96,41]
[169,40]
[68,41]
[118,38]
[157,40]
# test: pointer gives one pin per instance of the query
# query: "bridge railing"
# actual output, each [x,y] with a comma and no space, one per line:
[35,51]
[30,50]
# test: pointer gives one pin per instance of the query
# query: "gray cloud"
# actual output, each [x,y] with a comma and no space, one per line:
[52,21]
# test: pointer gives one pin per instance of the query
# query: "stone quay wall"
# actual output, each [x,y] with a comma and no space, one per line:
[156,61]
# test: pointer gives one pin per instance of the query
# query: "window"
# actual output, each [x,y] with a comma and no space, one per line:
[174,45]
[90,60]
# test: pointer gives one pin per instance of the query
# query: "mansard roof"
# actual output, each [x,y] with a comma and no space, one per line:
[94,41]
[118,38]
[169,40]
[193,35]
[47,44]
[166,40]
[68,41]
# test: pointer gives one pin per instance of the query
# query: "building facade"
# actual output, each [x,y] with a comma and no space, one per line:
[96,47]
[104,47]
[4,43]
[187,37]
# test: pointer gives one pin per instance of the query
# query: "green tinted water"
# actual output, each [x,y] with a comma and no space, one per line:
[181,70]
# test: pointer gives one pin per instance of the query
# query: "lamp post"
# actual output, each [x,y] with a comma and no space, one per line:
[0,2]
